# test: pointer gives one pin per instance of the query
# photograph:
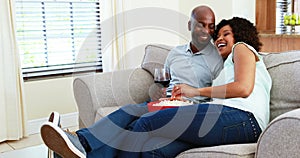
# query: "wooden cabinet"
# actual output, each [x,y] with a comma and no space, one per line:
[265,16]
[280,42]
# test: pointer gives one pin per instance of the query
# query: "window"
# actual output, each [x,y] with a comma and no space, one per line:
[269,15]
[283,8]
[58,37]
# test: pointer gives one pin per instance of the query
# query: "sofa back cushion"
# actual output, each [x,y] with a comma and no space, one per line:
[155,56]
[284,69]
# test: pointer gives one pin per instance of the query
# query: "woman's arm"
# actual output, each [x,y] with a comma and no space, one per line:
[244,69]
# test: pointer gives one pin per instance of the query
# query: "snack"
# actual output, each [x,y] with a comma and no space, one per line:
[172,103]
[159,105]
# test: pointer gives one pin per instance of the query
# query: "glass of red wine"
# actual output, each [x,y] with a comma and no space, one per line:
[162,76]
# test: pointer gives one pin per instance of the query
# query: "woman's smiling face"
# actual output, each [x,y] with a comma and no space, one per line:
[225,41]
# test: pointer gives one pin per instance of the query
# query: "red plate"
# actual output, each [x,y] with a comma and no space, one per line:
[155,108]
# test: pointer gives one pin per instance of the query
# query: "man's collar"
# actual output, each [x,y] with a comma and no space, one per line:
[189,50]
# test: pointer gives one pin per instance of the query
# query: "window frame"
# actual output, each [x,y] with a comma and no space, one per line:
[66,69]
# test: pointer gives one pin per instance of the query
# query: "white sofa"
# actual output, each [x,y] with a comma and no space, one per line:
[99,94]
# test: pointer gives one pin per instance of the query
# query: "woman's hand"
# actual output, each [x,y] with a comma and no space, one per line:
[184,90]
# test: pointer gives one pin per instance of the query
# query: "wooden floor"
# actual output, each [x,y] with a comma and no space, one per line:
[28,147]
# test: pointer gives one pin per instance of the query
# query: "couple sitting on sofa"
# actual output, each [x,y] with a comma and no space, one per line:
[240,92]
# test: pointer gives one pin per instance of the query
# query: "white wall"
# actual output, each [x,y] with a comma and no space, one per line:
[44,96]
[223,9]
[244,8]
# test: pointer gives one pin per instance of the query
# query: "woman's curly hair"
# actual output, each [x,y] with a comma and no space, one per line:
[243,31]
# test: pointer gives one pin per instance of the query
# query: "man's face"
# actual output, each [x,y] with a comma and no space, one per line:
[202,27]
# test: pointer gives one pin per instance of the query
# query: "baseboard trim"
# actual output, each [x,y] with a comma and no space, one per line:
[67,120]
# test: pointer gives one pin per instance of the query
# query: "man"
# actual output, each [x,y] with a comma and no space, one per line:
[195,64]
[198,62]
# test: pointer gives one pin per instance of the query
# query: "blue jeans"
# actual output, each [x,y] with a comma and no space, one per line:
[104,137]
[168,132]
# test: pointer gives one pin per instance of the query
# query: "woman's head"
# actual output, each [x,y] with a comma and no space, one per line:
[229,32]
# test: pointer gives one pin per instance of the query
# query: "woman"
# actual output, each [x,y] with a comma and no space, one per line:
[237,114]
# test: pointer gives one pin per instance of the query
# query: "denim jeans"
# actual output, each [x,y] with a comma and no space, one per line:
[103,138]
[132,131]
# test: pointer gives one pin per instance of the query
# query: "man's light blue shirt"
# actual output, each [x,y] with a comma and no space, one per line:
[195,69]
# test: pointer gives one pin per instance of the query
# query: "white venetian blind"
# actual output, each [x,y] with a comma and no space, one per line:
[58,37]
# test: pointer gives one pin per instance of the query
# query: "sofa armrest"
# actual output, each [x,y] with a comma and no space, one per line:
[281,137]
[111,89]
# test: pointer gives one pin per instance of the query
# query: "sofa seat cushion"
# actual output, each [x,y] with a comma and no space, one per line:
[222,151]
[284,69]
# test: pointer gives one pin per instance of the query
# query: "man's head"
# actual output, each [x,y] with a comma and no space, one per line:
[202,26]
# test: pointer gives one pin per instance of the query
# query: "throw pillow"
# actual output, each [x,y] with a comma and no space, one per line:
[155,56]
